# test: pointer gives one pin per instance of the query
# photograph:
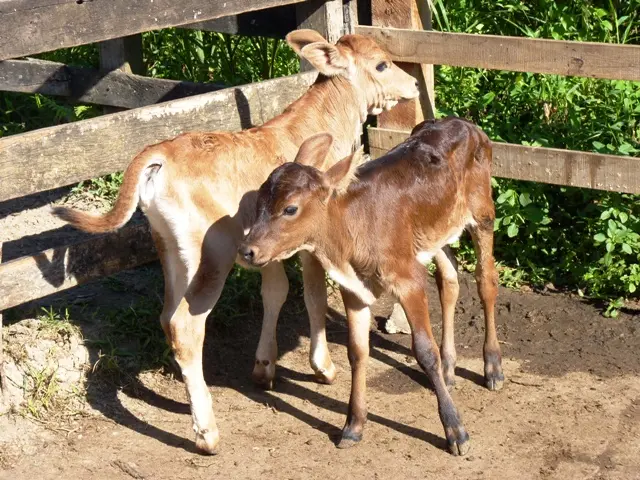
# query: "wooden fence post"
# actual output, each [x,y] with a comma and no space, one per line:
[412,14]
[3,384]
[325,17]
[123,54]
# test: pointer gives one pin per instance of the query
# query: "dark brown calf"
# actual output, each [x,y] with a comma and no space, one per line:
[374,227]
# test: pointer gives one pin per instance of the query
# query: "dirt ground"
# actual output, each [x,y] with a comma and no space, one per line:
[570,408]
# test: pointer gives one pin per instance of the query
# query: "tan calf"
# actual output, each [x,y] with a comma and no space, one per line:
[373,228]
[198,192]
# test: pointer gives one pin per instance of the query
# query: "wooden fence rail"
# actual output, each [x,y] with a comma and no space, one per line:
[117,89]
[582,59]
[35,26]
[56,269]
[57,156]
[275,23]
[547,165]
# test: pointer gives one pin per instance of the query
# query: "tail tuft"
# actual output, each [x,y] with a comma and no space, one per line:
[127,200]
[88,222]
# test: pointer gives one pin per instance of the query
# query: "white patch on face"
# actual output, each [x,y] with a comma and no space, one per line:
[375,111]
[349,280]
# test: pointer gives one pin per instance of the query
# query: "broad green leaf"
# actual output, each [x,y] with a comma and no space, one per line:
[525,199]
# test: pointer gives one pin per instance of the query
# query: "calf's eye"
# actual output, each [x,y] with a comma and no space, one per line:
[382,66]
[290,210]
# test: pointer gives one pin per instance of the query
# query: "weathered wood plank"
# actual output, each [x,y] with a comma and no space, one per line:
[87,85]
[3,386]
[124,55]
[274,22]
[65,154]
[547,165]
[29,27]
[582,59]
[350,16]
[57,269]
[413,14]
[324,16]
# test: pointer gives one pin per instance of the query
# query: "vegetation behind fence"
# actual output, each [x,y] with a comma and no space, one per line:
[579,239]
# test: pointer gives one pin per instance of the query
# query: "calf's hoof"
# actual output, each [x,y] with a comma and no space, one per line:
[207,441]
[493,376]
[349,439]
[495,382]
[326,375]
[264,371]
[458,441]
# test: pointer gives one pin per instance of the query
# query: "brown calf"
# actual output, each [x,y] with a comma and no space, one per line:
[373,228]
[198,192]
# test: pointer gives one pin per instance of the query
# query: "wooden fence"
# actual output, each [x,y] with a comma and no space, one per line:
[62,155]
[548,165]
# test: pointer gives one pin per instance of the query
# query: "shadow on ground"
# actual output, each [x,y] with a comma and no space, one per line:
[551,335]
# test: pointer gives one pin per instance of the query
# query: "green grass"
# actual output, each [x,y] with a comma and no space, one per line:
[57,323]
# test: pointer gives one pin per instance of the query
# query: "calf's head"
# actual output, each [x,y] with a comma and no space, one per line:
[359,59]
[292,207]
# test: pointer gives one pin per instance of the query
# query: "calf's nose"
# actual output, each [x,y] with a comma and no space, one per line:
[247,252]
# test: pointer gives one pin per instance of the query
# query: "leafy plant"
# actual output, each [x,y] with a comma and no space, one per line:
[578,239]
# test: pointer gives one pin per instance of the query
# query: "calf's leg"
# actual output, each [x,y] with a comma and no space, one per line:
[411,292]
[315,299]
[193,283]
[275,287]
[359,320]
[487,280]
[447,281]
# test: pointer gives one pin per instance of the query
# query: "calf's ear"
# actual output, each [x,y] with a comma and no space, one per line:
[314,150]
[298,39]
[325,57]
[342,173]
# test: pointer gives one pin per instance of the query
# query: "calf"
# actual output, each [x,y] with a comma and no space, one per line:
[198,191]
[374,227]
